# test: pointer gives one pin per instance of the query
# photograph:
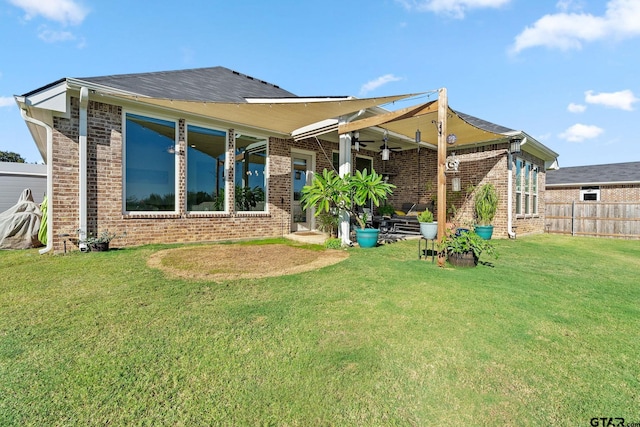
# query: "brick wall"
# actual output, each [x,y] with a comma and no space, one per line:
[104,182]
[416,174]
[608,193]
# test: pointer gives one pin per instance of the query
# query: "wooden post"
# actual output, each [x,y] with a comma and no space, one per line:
[442,160]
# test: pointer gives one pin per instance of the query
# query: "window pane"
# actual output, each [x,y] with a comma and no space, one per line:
[526,204]
[518,203]
[527,170]
[205,169]
[534,208]
[534,180]
[336,160]
[251,161]
[518,175]
[150,164]
[363,163]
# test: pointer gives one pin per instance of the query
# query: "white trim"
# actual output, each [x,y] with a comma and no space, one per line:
[311,174]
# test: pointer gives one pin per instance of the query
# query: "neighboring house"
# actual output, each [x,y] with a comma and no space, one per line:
[16,177]
[211,154]
[596,200]
[615,182]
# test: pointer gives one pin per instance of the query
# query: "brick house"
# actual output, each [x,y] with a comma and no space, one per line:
[616,182]
[211,154]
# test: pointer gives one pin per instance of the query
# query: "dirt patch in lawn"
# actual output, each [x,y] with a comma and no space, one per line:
[226,262]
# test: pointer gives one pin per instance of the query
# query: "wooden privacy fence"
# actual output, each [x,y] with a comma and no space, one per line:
[601,219]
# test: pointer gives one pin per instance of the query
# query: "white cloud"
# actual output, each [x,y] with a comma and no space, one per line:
[375,84]
[570,30]
[576,108]
[7,101]
[454,8]
[62,11]
[622,100]
[52,36]
[580,132]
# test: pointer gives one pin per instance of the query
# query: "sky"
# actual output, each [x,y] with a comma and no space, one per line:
[565,72]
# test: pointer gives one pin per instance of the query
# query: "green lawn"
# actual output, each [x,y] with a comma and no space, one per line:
[548,334]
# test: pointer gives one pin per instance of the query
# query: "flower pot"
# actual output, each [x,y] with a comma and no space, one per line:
[429,230]
[367,237]
[466,259]
[99,247]
[484,231]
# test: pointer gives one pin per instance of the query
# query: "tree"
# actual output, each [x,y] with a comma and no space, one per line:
[8,156]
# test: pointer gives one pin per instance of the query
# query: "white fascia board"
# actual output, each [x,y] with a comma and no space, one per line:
[53,98]
[535,147]
[315,129]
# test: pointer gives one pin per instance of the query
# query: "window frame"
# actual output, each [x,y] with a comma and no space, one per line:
[257,136]
[176,164]
[225,209]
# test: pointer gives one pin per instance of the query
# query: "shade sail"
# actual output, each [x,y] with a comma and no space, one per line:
[281,117]
[424,117]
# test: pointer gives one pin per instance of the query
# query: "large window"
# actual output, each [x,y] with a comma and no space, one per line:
[150,164]
[526,188]
[250,179]
[206,150]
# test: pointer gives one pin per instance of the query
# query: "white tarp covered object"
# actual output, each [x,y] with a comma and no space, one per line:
[19,225]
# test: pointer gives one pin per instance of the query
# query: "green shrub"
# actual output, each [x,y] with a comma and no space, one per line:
[333,243]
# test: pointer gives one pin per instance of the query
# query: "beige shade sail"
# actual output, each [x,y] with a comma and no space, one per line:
[282,117]
[424,117]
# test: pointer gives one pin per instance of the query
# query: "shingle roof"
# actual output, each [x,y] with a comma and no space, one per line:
[214,84]
[483,124]
[595,174]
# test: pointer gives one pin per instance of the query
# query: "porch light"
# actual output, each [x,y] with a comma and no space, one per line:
[455,183]
[514,147]
[385,154]
[451,138]
[356,137]
[418,136]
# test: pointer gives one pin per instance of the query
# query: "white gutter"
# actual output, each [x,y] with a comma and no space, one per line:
[82,165]
[31,120]
[510,232]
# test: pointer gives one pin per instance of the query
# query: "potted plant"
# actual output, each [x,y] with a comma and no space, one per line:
[349,192]
[428,227]
[463,247]
[100,243]
[486,205]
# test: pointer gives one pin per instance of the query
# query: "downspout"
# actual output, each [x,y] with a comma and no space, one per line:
[510,232]
[82,166]
[31,120]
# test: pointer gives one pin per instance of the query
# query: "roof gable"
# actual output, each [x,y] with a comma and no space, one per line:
[214,84]
[595,174]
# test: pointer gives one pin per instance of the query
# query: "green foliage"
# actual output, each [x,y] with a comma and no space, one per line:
[333,243]
[485,203]
[329,191]
[465,241]
[328,222]
[386,209]
[10,156]
[425,216]
[247,197]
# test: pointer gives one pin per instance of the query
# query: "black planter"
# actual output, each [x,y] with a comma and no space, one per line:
[466,259]
[99,247]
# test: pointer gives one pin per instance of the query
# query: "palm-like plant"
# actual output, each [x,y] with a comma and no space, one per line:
[348,192]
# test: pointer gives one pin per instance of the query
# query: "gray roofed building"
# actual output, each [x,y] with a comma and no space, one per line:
[213,84]
[595,174]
